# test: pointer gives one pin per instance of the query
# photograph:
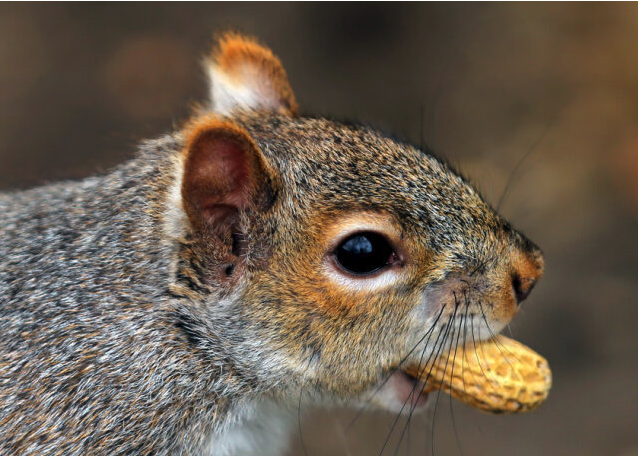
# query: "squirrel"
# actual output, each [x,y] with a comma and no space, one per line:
[185,301]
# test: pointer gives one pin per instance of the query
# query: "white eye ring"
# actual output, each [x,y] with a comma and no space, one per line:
[376,282]
[380,226]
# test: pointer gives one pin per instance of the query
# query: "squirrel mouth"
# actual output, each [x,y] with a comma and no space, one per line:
[407,391]
[499,375]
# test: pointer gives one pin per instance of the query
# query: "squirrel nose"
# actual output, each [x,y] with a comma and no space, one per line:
[522,287]
[527,269]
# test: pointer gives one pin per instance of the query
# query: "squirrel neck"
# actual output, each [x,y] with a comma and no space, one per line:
[98,250]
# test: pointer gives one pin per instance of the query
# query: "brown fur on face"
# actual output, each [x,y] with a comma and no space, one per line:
[458,258]
[333,179]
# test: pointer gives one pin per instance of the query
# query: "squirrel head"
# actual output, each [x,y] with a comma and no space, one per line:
[328,254]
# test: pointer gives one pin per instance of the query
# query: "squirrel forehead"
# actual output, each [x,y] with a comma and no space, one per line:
[343,153]
[358,167]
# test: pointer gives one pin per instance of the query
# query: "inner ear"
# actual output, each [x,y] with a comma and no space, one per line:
[224,174]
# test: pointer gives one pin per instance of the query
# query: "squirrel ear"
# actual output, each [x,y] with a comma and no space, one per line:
[244,75]
[224,172]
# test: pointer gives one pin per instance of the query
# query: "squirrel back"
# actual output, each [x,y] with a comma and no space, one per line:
[171,305]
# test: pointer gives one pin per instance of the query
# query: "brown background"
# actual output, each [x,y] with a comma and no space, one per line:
[81,84]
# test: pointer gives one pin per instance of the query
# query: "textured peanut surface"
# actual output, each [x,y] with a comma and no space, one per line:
[499,375]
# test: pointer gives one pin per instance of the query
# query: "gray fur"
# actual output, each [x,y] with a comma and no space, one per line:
[125,333]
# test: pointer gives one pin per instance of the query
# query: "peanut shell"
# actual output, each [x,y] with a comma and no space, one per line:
[499,375]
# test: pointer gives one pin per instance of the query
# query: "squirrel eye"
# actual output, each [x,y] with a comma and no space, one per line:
[364,253]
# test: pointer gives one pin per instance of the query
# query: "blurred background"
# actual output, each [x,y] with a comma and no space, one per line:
[544,96]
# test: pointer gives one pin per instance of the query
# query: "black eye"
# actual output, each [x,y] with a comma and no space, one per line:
[364,253]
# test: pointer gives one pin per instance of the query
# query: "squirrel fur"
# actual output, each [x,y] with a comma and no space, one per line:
[182,303]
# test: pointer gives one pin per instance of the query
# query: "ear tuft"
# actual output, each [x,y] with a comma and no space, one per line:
[244,75]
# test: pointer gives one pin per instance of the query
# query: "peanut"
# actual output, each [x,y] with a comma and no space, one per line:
[499,375]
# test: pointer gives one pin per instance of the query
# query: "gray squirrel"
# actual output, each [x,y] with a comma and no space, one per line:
[183,303]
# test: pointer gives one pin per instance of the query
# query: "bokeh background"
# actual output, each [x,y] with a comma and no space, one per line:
[485,85]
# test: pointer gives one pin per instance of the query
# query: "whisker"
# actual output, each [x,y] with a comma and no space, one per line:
[438,394]
[531,148]
[389,375]
[498,344]
[394,423]
[303,443]
[411,395]
[478,360]
[485,357]
[438,354]
[342,436]
[467,308]
[433,356]
[407,441]
[456,348]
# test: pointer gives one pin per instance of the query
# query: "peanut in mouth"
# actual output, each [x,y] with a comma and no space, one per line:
[499,375]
